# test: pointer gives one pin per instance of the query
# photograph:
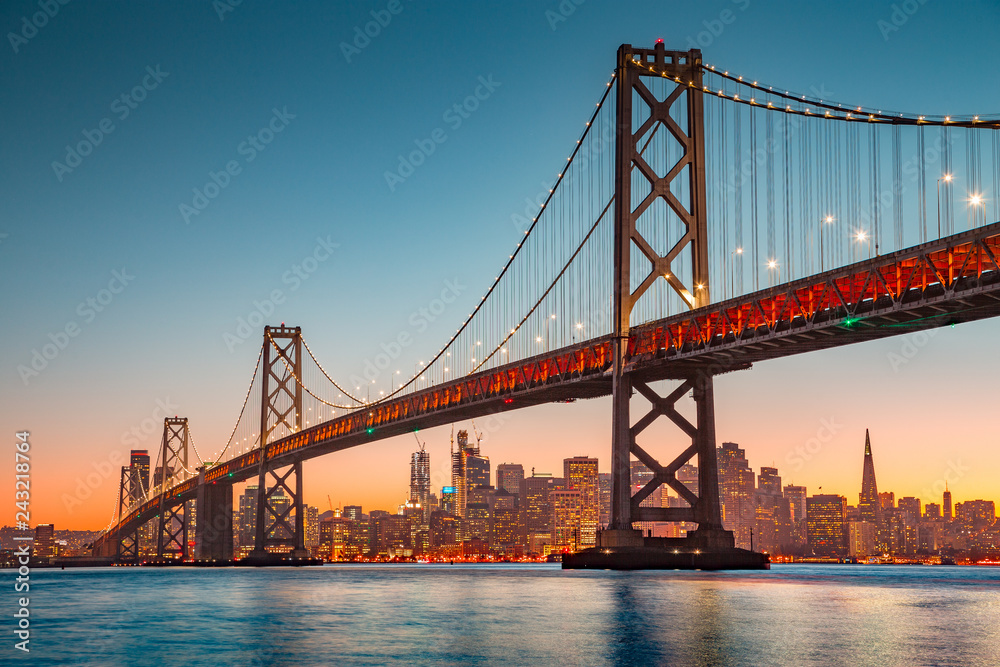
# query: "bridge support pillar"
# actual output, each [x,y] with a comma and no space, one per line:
[213,533]
[280,412]
[127,549]
[277,500]
[621,546]
[172,535]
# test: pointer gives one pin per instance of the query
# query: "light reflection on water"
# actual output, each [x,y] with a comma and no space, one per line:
[515,615]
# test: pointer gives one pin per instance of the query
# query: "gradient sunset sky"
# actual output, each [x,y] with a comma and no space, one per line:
[212,77]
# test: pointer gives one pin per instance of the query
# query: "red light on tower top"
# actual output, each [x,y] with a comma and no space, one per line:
[659,41]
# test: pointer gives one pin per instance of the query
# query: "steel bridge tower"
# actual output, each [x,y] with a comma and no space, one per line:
[280,410]
[129,491]
[172,536]
[685,100]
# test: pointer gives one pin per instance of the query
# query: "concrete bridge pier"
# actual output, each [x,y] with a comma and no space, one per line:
[213,535]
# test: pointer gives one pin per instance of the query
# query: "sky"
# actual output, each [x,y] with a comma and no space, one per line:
[139,255]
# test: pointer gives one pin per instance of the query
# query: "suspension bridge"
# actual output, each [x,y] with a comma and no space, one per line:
[703,221]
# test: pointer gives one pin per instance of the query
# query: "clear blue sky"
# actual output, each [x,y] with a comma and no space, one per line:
[323,177]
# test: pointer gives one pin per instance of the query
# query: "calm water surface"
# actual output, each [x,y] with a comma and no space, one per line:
[513,615]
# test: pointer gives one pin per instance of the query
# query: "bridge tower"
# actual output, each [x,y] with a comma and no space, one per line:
[129,491]
[281,410]
[172,536]
[681,114]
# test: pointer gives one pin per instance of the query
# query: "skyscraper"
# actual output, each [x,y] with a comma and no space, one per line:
[826,516]
[44,548]
[737,491]
[477,472]
[768,481]
[581,475]
[468,470]
[869,506]
[604,498]
[796,496]
[509,477]
[311,527]
[420,480]
[139,461]
[947,503]
[248,516]
[537,508]
[567,518]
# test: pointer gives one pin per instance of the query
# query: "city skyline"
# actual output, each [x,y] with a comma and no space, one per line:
[425,477]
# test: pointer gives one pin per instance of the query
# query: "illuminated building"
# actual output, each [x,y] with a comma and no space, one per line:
[311,527]
[420,480]
[477,517]
[392,535]
[510,476]
[639,476]
[246,529]
[353,512]
[580,473]
[444,530]
[468,470]
[861,539]
[911,506]
[604,498]
[946,501]
[567,519]
[975,515]
[825,519]
[139,462]
[44,548]
[869,504]
[448,499]
[505,529]
[537,508]
[768,481]
[737,491]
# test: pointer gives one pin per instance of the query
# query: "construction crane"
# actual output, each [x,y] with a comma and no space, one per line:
[422,444]
[331,503]
[475,431]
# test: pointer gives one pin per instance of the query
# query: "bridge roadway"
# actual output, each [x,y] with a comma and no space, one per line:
[949,281]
